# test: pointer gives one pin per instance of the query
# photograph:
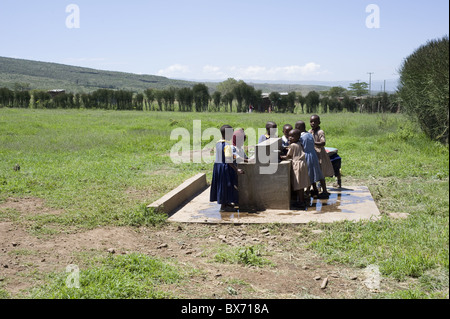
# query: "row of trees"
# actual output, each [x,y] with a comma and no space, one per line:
[230,96]
[100,99]
[14,98]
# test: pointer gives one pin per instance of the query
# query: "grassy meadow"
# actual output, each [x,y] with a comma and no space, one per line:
[101,168]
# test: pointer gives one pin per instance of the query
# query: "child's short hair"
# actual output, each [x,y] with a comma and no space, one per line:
[295,132]
[286,127]
[315,115]
[224,128]
[300,125]
[270,125]
[239,136]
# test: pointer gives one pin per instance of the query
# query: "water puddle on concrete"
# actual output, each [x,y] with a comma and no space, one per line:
[213,212]
[338,202]
[333,204]
[352,203]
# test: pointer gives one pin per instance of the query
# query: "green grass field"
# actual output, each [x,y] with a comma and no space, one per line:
[85,162]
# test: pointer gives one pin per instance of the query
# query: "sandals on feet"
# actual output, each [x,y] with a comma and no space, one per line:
[299,206]
[313,193]
[227,208]
[323,196]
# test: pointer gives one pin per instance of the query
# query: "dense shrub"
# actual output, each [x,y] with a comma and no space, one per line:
[424,87]
[6,97]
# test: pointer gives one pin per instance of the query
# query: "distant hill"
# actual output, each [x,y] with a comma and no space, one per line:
[47,76]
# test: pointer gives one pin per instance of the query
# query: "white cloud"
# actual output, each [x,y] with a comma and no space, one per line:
[292,72]
[174,70]
[211,70]
[253,72]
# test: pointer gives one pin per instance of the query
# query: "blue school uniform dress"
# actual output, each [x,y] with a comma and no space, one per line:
[263,138]
[312,161]
[224,180]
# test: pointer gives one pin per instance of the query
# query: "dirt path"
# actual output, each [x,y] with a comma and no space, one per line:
[298,272]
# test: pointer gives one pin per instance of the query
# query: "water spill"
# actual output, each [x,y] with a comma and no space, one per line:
[213,212]
[340,201]
[332,204]
[344,203]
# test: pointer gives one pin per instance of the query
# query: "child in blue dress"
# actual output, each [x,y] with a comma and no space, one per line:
[224,180]
[312,161]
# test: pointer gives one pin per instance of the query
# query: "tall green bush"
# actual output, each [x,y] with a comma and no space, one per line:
[424,87]
[6,97]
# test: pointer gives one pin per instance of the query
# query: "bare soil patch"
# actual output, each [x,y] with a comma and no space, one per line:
[29,205]
[297,272]
[138,194]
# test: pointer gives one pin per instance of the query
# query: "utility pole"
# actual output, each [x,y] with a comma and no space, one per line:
[370,83]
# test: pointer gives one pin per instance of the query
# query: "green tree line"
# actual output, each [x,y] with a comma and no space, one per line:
[230,96]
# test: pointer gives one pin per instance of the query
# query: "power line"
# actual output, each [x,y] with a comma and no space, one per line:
[370,82]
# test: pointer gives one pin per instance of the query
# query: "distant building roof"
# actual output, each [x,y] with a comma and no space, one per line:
[54,93]
[266,95]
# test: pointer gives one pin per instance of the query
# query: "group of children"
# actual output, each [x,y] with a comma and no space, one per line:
[306,149]
[310,161]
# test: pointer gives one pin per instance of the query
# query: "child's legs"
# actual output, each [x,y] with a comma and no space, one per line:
[323,185]
[301,203]
[301,195]
[339,180]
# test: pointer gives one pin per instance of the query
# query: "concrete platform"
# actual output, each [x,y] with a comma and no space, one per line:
[180,195]
[349,203]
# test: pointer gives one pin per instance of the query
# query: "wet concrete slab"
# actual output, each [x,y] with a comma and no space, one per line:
[348,203]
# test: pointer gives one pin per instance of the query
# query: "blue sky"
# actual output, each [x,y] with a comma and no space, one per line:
[282,40]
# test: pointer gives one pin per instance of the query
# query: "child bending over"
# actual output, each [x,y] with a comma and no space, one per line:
[239,154]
